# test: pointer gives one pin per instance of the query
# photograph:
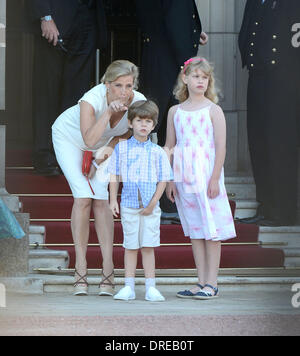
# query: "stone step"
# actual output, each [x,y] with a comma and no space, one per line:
[245,208]
[45,258]
[240,187]
[64,283]
[36,235]
[289,235]
[232,279]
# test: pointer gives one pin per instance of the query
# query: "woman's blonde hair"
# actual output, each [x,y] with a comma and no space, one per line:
[121,68]
[181,91]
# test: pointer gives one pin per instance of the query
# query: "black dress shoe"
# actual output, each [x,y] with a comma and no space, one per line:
[45,164]
[252,220]
[170,216]
[268,222]
[47,171]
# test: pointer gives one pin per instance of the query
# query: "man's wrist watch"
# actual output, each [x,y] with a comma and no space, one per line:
[46,18]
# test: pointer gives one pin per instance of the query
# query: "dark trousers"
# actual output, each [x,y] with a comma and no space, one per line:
[61,78]
[273,139]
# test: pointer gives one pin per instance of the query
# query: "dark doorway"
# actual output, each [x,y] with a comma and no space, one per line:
[123,43]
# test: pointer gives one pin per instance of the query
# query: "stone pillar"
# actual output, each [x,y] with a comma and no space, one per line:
[13,252]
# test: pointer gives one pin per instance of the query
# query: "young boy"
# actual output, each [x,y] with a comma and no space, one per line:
[144,169]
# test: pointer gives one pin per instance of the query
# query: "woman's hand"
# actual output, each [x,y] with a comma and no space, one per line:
[213,189]
[117,106]
[171,191]
[92,172]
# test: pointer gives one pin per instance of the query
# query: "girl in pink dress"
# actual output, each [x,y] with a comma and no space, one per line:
[197,132]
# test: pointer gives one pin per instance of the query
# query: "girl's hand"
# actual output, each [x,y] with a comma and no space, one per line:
[114,207]
[171,191]
[213,189]
[117,106]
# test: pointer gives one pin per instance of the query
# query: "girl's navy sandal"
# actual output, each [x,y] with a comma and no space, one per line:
[207,295]
[187,293]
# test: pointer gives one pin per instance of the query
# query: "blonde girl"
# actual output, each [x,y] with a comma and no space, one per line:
[196,130]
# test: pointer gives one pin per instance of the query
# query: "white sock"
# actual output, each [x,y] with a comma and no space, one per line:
[149,282]
[130,281]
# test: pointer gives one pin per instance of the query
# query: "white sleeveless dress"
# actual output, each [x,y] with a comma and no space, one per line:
[194,157]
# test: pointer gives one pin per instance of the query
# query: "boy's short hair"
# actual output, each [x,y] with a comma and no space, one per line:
[144,109]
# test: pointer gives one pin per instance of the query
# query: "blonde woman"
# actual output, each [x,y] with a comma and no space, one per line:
[98,120]
[197,129]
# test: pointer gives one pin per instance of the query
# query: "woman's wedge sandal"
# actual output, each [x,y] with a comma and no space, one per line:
[207,295]
[186,294]
[81,285]
[107,288]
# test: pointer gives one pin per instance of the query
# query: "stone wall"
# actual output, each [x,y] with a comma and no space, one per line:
[2,52]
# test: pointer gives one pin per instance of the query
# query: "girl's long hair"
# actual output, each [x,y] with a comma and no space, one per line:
[181,92]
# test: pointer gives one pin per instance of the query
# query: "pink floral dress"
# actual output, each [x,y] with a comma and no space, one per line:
[194,157]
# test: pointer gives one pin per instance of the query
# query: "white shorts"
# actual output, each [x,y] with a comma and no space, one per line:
[138,230]
[69,157]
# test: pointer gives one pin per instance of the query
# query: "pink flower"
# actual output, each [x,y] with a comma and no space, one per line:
[207,131]
[191,205]
[187,142]
[202,120]
[182,130]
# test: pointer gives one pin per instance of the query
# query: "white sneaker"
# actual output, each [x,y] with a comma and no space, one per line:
[153,295]
[126,293]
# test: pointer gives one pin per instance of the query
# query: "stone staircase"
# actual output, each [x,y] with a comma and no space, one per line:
[287,238]
[240,189]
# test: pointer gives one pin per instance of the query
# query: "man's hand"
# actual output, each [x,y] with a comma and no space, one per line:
[50,31]
[203,38]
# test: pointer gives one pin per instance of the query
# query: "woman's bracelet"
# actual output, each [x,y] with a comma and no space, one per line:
[95,164]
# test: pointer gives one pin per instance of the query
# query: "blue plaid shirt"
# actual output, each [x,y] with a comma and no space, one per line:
[141,166]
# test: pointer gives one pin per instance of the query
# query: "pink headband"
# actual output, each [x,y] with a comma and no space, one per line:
[190,61]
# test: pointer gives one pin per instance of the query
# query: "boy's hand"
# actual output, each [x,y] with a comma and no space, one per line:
[148,210]
[114,207]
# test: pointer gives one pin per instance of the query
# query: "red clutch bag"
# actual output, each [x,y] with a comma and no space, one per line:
[86,166]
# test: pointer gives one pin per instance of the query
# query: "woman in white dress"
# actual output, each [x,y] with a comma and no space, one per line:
[98,120]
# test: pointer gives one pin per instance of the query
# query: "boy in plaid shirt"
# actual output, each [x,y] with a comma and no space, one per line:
[144,169]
